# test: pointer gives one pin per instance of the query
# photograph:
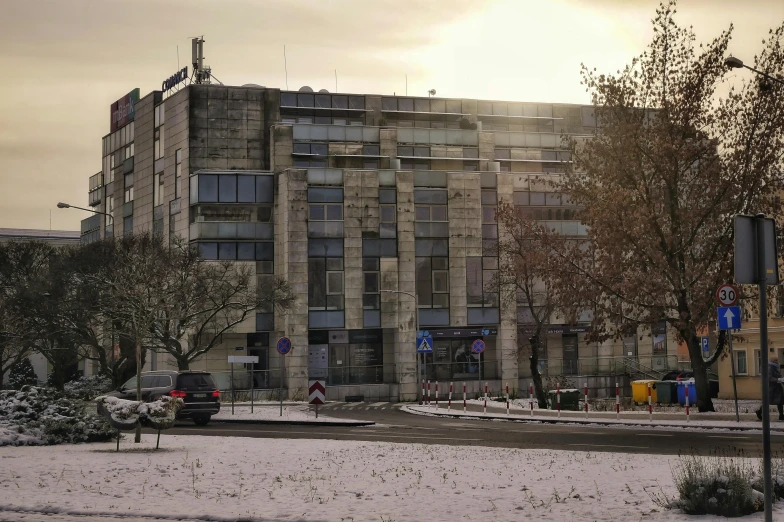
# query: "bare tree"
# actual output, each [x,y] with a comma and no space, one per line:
[671,164]
[208,299]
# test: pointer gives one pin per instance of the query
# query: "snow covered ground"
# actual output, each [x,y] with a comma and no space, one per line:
[270,412]
[212,478]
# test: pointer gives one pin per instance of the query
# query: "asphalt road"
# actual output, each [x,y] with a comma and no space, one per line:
[396,426]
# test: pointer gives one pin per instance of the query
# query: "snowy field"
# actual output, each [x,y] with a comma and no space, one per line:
[211,478]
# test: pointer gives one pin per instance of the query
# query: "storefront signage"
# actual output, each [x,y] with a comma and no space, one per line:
[122,111]
[174,79]
[462,332]
[345,336]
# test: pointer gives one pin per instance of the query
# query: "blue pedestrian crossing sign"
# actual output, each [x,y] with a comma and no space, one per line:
[729,317]
[424,345]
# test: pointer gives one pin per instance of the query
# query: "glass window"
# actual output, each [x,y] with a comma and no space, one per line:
[537,198]
[371,150]
[227,251]
[421,105]
[325,195]
[208,250]
[265,251]
[246,189]
[304,100]
[317,292]
[388,104]
[741,367]
[422,152]
[208,188]
[437,106]
[521,198]
[488,214]
[489,197]
[438,213]
[177,173]
[454,106]
[340,102]
[246,251]
[320,149]
[387,196]
[552,198]
[334,283]
[316,212]
[323,101]
[334,212]
[265,190]
[405,104]
[388,213]
[423,281]
[470,152]
[356,102]
[288,99]
[436,197]
[227,188]
[440,281]
[405,151]
[370,264]
[302,148]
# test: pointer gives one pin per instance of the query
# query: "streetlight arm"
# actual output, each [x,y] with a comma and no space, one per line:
[67,205]
[737,63]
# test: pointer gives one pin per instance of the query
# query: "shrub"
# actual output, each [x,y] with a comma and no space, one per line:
[716,485]
[22,374]
[88,388]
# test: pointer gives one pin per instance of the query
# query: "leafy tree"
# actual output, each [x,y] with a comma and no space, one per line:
[22,374]
[208,299]
[660,182]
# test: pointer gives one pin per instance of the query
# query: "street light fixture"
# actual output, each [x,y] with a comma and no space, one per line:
[66,205]
[416,321]
[737,63]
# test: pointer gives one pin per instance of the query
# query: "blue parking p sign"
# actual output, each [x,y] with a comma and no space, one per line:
[705,346]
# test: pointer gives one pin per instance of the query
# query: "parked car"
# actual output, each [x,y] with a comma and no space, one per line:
[196,389]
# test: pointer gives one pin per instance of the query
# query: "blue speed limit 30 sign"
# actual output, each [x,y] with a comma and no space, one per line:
[284,345]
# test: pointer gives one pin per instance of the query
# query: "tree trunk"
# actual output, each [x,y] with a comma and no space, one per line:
[704,401]
[535,375]
[138,438]
[183,364]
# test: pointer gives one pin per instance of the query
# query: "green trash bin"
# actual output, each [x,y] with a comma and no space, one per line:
[666,392]
[570,399]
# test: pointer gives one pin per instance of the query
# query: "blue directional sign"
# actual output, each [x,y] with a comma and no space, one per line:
[705,346]
[729,317]
[424,345]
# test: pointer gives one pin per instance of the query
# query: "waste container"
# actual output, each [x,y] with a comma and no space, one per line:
[692,391]
[666,392]
[640,391]
[570,399]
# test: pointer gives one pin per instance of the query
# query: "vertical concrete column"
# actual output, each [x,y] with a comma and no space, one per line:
[507,332]
[282,144]
[388,146]
[294,266]
[458,216]
[405,338]
[352,253]
[486,149]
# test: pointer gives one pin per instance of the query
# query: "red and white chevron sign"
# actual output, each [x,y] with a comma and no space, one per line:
[316,392]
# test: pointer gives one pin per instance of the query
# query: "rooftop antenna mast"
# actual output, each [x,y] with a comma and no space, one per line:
[201,74]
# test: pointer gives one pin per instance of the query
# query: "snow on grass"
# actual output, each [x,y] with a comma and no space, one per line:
[209,478]
[271,413]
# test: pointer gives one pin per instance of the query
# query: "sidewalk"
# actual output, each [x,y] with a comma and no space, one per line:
[724,421]
[295,414]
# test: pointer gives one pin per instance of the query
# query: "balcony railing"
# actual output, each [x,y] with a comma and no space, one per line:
[356,133]
[230,230]
[91,223]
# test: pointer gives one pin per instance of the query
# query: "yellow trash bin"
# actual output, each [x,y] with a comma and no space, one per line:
[640,391]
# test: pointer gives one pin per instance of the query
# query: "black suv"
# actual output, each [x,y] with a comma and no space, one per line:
[196,389]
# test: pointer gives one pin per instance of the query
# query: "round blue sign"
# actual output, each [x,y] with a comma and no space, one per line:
[478,346]
[284,345]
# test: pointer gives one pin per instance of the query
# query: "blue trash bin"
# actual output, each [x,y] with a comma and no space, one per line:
[682,387]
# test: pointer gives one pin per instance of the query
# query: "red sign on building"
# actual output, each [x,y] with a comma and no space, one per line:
[122,111]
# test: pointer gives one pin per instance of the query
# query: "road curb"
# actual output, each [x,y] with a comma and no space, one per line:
[598,422]
[295,423]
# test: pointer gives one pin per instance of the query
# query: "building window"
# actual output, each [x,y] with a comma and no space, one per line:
[387,199]
[177,173]
[325,283]
[325,220]
[158,121]
[481,281]
[432,282]
[172,229]
[128,188]
[371,297]
[741,367]
[128,225]
[157,189]
[430,213]
[109,210]
[757,362]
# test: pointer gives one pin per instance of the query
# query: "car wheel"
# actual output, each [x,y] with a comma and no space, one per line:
[201,420]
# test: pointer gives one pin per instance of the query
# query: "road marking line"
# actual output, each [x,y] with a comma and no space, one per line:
[608,446]
[377,404]
[654,435]
[738,437]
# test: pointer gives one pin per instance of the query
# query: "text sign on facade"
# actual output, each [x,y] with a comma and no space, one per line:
[123,110]
[174,79]
[245,359]
[746,247]
[729,318]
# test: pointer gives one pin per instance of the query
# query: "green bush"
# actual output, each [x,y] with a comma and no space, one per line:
[22,374]
[717,485]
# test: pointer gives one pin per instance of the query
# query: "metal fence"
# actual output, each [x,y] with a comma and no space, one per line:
[613,365]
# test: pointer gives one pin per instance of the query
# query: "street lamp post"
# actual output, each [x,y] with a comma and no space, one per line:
[737,63]
[416,322]
[67,205]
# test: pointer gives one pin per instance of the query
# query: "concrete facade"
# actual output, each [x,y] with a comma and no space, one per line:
[347,220]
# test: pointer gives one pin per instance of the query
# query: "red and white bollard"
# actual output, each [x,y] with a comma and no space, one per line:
[485,398]
[617,402]
[464,397]
[507,398]
[428,393]
[449,404]
[423,393]
[687,401]
[531,398]
[585,393]
[558,398]
[436,394]
[650,404]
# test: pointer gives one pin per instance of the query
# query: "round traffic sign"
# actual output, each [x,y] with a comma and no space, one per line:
[283,346]
[478,346]
[727,295]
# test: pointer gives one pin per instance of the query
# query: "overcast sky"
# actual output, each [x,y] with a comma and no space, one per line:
[64,62]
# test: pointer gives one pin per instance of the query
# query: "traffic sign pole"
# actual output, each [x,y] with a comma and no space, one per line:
[734,382]
[763,333]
